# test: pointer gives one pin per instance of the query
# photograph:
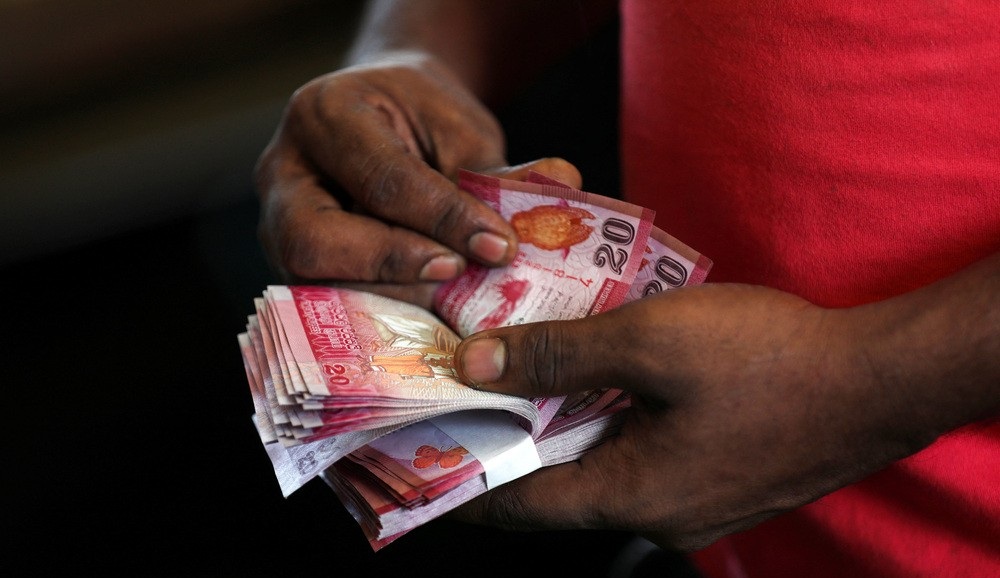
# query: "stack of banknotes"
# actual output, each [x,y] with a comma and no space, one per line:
[359,389]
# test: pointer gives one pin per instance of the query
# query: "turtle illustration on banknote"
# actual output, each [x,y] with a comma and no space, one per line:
[552,227]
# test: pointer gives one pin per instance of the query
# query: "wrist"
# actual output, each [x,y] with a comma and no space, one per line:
[928,372]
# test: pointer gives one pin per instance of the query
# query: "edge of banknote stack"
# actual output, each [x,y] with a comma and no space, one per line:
[359,389]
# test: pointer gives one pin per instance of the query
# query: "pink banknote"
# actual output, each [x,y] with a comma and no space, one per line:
[578,255]
[330,369]
[338,374]
[384,490]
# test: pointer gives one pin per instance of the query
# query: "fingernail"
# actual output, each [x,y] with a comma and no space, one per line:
[489,247]
[441,268]
[484,360]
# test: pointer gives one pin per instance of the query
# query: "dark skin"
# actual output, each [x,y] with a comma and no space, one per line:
[748,401]
[357,184]
[765,402]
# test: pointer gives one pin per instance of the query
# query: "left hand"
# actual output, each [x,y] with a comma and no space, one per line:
[747,402]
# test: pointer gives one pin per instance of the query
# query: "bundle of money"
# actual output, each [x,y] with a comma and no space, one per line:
[331,370]
[360,389]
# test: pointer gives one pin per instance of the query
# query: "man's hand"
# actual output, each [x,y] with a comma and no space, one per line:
[358,183]
[747,402]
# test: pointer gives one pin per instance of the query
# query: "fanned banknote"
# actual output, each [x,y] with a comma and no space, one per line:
[334,368]
[359,388]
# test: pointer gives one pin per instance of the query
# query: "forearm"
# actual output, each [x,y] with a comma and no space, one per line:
[936,351]
[491,46]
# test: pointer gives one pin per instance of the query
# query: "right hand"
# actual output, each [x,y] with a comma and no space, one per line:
[358,183]
[746,402]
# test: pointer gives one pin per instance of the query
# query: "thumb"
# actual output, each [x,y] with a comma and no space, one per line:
[544,359]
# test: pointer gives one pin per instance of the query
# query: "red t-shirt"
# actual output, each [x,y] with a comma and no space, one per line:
[845,152]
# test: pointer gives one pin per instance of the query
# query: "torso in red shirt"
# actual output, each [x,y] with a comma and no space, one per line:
[845,152]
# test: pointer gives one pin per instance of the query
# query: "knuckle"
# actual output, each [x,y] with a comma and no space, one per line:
[482,142]
[543,362]
[448,216]
[443,214]
[300,107]
[305,97]
[392,266]
[376,185]
[300,249]
[298,256]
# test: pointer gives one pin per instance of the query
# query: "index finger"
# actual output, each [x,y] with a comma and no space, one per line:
[309,236]
[380,170]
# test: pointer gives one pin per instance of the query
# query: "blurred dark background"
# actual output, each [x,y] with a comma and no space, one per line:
[129,262]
